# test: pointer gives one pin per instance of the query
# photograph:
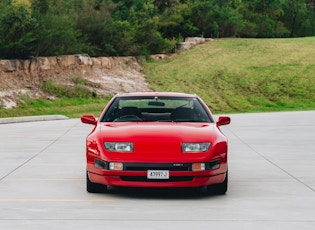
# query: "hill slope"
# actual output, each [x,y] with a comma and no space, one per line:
[237,75]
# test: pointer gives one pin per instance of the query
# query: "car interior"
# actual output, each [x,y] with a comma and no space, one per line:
[156,111]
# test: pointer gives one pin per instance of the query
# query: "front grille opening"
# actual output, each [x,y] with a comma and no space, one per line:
[145,167]
[145,179]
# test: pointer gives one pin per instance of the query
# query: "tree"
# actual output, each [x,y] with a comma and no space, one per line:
[215,20]
[57,31]
[265,17]
[16,31]
[299,17]
[94,20]
[176,22]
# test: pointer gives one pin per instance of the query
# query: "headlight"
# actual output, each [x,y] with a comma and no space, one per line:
[195,147]
[119,146]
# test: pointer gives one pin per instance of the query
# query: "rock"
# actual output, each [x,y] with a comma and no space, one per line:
[43,63]
[8,65]
[195,40]
[182,46]
[66,60]
[84,59]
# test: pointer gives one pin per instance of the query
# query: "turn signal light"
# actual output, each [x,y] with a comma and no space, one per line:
[116,166]
[198,166]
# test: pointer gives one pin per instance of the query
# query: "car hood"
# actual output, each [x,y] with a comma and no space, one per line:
[158,141]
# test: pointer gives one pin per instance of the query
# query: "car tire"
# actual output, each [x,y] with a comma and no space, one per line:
[94,187]
[203,190]
[219,189]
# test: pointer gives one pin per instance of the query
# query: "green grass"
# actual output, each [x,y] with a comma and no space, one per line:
[231,75]
[77,90]
[72,101]
[242,75]
[70,107]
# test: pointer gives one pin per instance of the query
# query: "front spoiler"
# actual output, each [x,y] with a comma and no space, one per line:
[196,181]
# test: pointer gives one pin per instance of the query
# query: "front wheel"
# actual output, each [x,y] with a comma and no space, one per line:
[94,187]
[219,189]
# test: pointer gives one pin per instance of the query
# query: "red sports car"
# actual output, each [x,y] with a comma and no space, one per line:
[159,140]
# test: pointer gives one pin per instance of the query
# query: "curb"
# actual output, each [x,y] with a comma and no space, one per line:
[32,119]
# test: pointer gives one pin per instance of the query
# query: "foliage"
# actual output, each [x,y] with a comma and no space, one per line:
[78,90]
[141,27]
[16,24]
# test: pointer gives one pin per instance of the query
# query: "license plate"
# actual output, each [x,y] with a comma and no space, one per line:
[158,174]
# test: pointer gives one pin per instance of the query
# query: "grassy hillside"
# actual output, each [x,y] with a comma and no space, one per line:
[241,75]
[231,75]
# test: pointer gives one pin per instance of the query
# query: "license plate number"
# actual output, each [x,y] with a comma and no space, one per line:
[158,174]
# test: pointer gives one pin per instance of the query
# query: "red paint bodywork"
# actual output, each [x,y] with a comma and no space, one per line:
[156,143]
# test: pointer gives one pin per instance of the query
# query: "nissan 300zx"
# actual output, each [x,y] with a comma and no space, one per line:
[157,140]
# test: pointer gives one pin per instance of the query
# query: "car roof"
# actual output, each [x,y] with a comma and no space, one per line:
[156,94]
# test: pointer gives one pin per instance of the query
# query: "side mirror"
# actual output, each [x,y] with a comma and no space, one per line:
[88,119]
[223,120]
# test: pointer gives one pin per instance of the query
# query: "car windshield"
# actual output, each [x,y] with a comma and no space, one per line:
[168,109]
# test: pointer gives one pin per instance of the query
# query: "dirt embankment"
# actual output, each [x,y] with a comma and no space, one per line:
[104,75]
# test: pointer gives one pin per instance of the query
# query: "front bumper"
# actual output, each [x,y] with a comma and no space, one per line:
[177,178]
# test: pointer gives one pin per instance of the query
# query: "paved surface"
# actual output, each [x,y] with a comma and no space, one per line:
[32,118]
[272,181]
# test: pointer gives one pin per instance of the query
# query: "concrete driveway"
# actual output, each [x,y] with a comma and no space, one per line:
[271,169]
